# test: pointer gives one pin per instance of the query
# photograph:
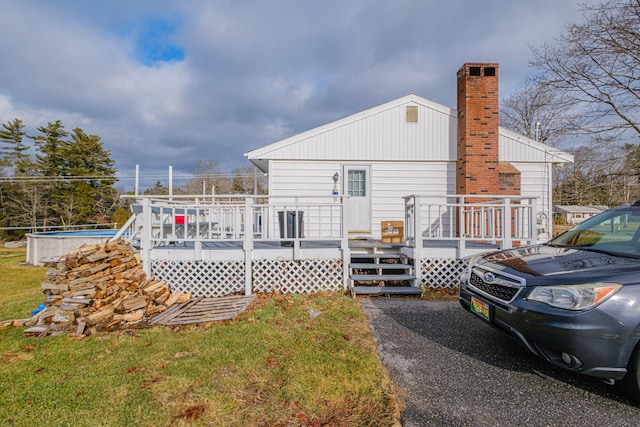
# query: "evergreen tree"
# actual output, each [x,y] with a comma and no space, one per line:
[51,145]
[49,164]
[91,175]
[70,181]
[157,190]
[238,184]
[14,152]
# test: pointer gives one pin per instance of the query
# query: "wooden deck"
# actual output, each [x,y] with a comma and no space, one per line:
[226,260]
[354,244]
[238,245]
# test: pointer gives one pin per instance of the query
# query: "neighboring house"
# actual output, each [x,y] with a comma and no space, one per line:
[576,214]
[413,146]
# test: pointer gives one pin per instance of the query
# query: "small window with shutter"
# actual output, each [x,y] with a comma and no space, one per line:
[412,114]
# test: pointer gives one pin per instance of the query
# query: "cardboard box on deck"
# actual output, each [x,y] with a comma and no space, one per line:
[392,231]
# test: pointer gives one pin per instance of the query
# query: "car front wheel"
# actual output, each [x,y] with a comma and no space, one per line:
[630,384]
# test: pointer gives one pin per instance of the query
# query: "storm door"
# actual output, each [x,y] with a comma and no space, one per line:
[357,185]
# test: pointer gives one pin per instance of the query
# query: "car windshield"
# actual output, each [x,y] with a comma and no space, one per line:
[614,231]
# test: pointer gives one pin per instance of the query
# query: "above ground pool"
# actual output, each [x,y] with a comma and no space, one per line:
[48,245]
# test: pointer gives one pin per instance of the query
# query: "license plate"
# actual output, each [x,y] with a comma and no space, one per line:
[480,308]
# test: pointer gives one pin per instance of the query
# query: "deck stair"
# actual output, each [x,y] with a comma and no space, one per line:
[381,270]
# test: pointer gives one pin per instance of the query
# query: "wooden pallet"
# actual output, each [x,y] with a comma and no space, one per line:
[198,310]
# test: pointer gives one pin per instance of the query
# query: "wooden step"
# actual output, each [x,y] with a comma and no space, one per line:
[386,290]
[383,266]
[379,277]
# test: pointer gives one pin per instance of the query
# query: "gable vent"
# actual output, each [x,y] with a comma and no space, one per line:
[412,114]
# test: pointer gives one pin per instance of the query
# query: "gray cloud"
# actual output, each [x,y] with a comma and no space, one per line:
[253,71]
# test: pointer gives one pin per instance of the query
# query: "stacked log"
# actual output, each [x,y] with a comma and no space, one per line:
[100,287]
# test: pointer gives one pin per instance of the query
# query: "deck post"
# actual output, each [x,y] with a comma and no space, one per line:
[507,225]
[533,223]
[247,245]
[197,250]
[344,245]
[461,246]
[296,227]
[418,242]
[145,240]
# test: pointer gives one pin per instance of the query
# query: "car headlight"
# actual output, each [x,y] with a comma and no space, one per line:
[574,297]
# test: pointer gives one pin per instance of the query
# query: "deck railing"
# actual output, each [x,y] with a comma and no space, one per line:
[228,218]
[293,224]
[500,220]
[240,220]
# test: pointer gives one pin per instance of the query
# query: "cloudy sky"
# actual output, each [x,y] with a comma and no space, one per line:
[170,82]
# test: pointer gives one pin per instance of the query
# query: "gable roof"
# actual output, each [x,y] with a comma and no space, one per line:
[369,132]
[511,141]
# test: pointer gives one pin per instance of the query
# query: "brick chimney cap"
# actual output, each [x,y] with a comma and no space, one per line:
[480,64]
[467,65]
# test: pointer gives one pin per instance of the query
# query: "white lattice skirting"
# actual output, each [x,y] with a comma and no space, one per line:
[201,278]
[221,278]
[441,272]
[297,276]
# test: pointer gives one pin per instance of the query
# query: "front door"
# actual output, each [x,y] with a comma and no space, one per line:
[357,185]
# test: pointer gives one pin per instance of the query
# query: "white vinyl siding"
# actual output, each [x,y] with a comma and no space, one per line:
[382,135]
[404,158]
[536,182]
[517,148]
[295,178]
[385,136]
[390,181]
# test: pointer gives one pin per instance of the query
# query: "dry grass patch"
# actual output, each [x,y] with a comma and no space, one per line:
[441,294]
[276,365]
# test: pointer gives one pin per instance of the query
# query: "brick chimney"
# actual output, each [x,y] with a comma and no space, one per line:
[478,168]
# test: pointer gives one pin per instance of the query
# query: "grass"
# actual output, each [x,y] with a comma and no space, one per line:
[19,285]
[272,366]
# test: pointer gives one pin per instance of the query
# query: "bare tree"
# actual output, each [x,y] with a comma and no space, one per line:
[593,70]
[595,66]
[24,205]
[601,174]
[207,174]
[538,111]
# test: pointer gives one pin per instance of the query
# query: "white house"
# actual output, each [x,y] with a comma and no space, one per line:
[459,183]
[576,214]
[412,145]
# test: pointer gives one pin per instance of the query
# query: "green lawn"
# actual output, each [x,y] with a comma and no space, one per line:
[273,366]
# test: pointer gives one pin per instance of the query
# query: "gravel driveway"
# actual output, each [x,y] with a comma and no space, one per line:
[457,371]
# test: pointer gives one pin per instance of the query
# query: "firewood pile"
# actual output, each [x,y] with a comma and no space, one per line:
[99,287]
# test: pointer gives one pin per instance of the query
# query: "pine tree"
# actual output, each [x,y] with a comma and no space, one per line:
[88,192]
[51,145]
[49,164]
[14,153]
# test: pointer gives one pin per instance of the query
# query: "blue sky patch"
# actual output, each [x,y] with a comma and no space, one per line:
[155,44]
